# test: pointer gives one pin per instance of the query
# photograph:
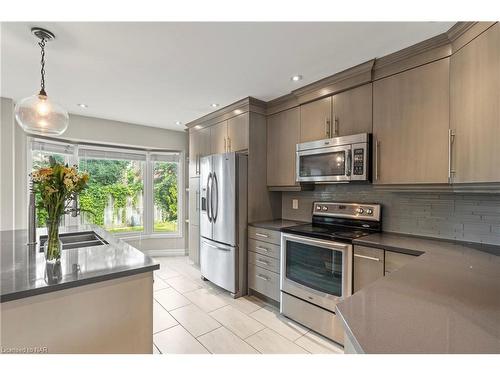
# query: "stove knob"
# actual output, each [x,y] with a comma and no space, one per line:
[324,208]
[318,207]
[369,211]
[359,210]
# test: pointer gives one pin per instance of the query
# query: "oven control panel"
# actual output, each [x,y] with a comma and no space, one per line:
[363,211]
[358,162]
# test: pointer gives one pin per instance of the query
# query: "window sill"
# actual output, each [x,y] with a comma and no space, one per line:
[137,236]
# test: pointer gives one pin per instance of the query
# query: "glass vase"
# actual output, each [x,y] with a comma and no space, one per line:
[53,246]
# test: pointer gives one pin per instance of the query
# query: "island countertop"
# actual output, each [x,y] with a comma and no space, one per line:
[25,273]
[447,300]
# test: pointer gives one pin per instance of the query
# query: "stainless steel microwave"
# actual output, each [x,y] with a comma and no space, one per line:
[333,160]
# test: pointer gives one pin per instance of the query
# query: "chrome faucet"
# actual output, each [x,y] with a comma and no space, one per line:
[74,210]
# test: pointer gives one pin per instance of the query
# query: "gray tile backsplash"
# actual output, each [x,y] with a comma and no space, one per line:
[464,217]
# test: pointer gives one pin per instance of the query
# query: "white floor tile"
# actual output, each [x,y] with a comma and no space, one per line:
[159,284]
[317,344]
[236,321]
[247,304]
[206,299]
[223,341]
[170,299]
[269,342]
[196,321]
[182,284]
[161,318]
[271,318]
[166,272]
[177,340]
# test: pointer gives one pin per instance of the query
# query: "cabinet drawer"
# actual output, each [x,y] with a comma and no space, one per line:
[264,281]
[264,248]
[264,261]
[394,261]
[265,235]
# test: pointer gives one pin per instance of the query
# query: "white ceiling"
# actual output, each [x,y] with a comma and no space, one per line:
[158,73]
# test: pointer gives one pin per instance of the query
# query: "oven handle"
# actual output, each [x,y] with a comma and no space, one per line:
[307,240]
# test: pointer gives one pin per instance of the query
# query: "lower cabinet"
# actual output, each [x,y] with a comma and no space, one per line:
[370,264]
[264,262]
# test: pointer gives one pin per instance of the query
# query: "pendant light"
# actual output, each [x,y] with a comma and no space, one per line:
[38,114]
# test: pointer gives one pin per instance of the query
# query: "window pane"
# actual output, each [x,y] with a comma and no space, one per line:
[165,191]
[40,159]
[114,196]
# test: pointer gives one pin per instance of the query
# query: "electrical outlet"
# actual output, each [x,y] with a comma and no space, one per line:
[295,204]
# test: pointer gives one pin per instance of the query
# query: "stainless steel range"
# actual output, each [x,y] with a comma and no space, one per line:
[316,263]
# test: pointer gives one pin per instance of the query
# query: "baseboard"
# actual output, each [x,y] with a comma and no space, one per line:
[166,252]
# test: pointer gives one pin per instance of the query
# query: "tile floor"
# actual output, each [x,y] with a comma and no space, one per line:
[191,316]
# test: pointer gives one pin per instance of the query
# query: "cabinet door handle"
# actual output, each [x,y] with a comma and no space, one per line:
[262,249]
[336,130]
[225,144]
[261,235]
[262,262]
[262,277]
[451,139]
[328,128]
[366,257]
[377,147]
[228,144]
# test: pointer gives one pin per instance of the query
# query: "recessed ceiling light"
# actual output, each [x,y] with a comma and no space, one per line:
[296,78]
[178,123]
[82,105]
[214,105]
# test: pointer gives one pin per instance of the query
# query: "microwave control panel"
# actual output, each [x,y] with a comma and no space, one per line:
[358,161]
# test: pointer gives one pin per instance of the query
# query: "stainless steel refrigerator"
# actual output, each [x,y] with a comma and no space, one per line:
[223,221]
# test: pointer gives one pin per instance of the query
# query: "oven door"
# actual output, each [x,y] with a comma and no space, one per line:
[316,271]
[327,164]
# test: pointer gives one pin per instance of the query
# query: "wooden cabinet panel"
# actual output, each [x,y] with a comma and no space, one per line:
[218,138]
[237,132]
[194,201]
[194,243]
[352,111]
[264,281]
[410,126]
[368,266]
[315,120]
[394,261]
[199,145]
[475,109]
[283,131]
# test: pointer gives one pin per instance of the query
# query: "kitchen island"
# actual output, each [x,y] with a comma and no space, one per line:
[446,300]
[99,300]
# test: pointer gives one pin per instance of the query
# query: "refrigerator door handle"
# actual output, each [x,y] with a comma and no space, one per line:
[209,197]
[216,184]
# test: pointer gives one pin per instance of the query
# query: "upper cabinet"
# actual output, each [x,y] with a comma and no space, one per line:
[218,138]
[410,126]
[315,120]
[348,112]
[475,109]
[352,111]
[283,134]
[199,145]
[237,132]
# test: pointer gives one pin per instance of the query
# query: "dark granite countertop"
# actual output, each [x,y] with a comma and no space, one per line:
[25,273]
[447,300]
[276,224]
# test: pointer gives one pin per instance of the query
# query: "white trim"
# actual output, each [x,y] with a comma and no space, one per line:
[165,252]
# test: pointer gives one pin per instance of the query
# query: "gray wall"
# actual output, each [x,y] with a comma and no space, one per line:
[465,217]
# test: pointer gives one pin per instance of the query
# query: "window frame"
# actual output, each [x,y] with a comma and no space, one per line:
[147,175]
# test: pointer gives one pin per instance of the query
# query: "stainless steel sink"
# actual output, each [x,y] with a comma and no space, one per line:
[75,240]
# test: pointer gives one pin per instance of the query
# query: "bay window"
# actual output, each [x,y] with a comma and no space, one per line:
[130,192]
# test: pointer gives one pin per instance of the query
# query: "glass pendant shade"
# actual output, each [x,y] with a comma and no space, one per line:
[37,114]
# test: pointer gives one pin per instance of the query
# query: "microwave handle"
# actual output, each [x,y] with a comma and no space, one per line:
[349,162]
